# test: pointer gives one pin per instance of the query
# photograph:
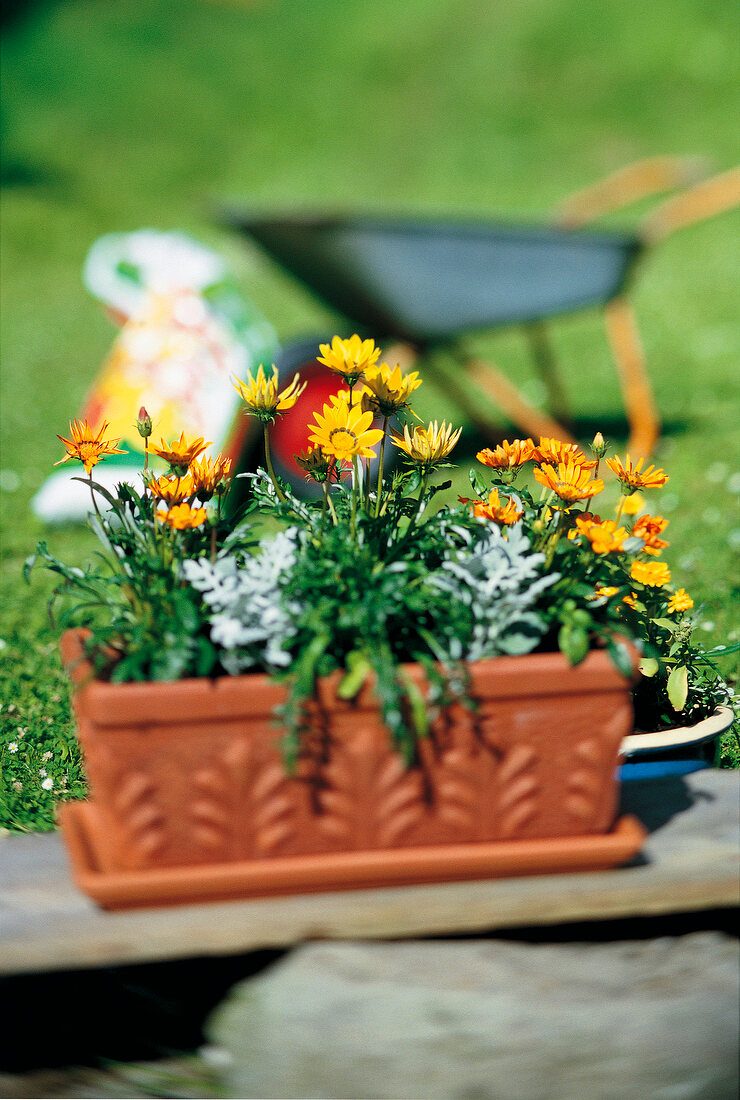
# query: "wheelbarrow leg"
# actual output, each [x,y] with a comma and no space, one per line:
[639,403]
[540,345]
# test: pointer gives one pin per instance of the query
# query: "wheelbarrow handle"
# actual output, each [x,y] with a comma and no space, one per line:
[628,185]
[712,196]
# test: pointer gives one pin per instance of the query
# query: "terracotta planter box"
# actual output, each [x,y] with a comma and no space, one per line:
[190,798]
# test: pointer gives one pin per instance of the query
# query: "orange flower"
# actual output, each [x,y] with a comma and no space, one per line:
[654,574]
[171,490]
[507,455]
[209,476]
[571,481]
[182,517]
[634,477]
[87,447]
[648,528]
[679,601]
[604,591]
[554,451]
[501,510]
[630,600]
[605,537]
[180,454]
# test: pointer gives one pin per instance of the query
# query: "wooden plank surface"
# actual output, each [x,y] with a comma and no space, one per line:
[689,863]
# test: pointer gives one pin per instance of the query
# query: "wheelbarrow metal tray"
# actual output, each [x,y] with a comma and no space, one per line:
[430,280]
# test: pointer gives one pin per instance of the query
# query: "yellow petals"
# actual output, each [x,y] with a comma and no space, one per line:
[571,480]
[350,358]
[605,537]
[179,453]
[182,517]
[502,510]
[554,451]
[260,394]
[679,601]
[648,528]
[387,391]
[507,455]
[427,446]
[654,574]
[87,446]
[634,477]
[171,490]
[344,433]
[631,505]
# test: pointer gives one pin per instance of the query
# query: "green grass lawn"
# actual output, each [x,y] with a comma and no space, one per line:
[119,116]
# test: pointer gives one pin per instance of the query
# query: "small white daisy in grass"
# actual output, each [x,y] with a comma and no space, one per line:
[13,746]
[48,783]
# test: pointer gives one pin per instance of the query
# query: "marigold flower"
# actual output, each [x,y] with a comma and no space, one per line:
[555,451]
[427,446]
[679,601]
[209,476]
[171,490]
[501,510]
[605,537]
[387,390]
[179,453]
[571,480]
[654,574]
[507,455]
[648,528]
[350,358]
[183,517]
[604,591]
[344,433]
[634,477]
[261,396]
[87,446]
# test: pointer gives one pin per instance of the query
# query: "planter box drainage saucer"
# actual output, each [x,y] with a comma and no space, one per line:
[340,871]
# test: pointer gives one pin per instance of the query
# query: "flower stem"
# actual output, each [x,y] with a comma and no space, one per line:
[329,503]
[380,468]
[270,469]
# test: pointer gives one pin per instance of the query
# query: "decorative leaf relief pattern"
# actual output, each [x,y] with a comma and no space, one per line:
[141,816]
[242,805]
[519,789]
[585,781]
[369,799]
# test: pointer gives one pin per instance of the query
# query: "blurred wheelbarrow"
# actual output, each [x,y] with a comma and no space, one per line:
[425,283]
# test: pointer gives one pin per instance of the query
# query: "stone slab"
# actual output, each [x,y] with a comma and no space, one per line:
[488,1020]
[689,863]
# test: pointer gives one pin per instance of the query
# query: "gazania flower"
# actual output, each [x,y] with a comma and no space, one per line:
[507,455]
[555,451]
[502,510]
[571,480]
[350,358]
[171,490]
[317,465]
[179,453]
[388,391]
[87,446]
[261,396]
[648,528]
[605,537]
[182,517]
[634,477]
[654,574]
[427,446]
[344,433]
[209,476]
[679,601]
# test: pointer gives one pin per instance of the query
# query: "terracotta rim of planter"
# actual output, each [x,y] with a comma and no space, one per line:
[678,737]
[379,868]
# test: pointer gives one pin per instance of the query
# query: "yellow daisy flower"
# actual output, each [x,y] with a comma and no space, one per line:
[87,446]
[209,476]
[261,396]
[634,477]
[555,451]
[654,574]
[179,453]
[182,517]
[171,490]
[571,480]
[427,446]
[679,601]
[344,433]
[501,510]
[350,358]
[387,391]
[507,455]
[605,537]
